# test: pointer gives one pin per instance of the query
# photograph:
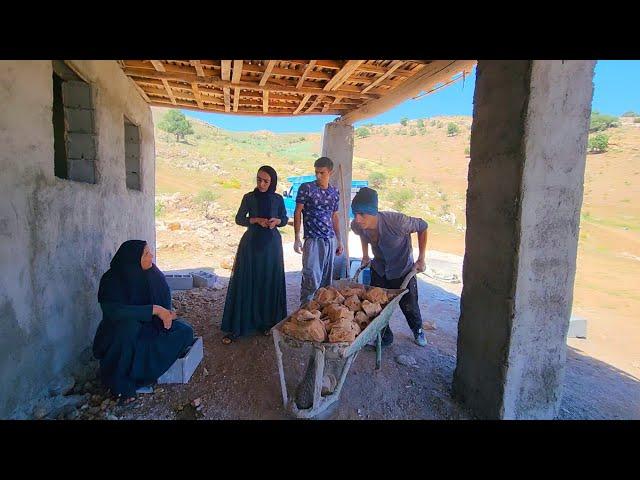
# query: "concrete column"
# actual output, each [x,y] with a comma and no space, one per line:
[337,144]
[528,149]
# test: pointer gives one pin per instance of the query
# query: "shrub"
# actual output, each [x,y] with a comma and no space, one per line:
[400,198]
[452,129]
[159,208]
[598,143]
[601,122]
[207,196]
[363,132]
[377,179]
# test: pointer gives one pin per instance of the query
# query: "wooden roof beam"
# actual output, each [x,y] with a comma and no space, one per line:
[395,66]
[303,102]
[315,103]
[196,93]
[306,72]
[267,72]
[217,82]
[226,76]
[198,66]
[436,72]
[342,75]
[260,113]
[237,75]
[159,66]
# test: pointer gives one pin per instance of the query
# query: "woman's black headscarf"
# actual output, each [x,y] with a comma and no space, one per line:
[127,283]
[265,200]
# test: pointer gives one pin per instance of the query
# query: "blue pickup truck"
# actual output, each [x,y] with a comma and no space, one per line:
[290,195]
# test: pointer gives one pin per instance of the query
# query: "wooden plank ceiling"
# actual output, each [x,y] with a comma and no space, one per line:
[353,89]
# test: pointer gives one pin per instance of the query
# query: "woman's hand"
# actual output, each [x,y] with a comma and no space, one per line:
[263,222]
[167,316]
[274,222]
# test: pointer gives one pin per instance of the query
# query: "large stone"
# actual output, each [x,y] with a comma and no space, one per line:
[61,386]
[52,407]
[406,360]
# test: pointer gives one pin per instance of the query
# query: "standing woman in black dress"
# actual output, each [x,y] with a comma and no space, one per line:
[256,298]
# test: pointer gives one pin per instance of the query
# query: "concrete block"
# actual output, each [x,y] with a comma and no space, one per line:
[82,170]
[132,149]
[77,95]
[577,328]
[133,180]
[178,281]
[81,146]
[204,279]
[131,133]
[183,368]
[79,120]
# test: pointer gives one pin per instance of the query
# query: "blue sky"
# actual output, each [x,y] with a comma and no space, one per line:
[617,90]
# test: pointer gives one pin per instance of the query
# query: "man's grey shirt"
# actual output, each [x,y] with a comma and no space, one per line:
[393,254]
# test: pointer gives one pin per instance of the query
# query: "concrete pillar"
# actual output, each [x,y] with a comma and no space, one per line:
[337,144]
[528,149]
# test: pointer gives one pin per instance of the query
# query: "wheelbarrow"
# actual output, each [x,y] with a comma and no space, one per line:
[329,363]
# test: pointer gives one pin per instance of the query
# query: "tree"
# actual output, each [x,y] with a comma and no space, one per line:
[404,121]
[598,143]
[467,152]
[420,123]
[174,121]
[630,113]
[363,132]
[377,179]
[452,129]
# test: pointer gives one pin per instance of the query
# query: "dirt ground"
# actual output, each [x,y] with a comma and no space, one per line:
[241,381]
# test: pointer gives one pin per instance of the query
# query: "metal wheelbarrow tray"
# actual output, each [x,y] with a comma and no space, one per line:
[326,355]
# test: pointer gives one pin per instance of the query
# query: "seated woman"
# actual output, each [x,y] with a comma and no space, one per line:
[257,298]
[139,336]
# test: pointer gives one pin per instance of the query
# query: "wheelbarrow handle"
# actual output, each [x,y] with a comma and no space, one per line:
[408,278]
[360,269]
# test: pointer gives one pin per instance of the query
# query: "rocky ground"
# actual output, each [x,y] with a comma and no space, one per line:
[241,381]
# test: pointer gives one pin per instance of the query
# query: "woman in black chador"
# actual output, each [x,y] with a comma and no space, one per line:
[256,298]
[139,336]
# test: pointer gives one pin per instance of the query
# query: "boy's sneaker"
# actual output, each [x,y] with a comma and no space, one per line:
[419,338]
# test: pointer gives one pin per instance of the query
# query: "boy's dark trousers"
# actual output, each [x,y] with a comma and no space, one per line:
[409,303]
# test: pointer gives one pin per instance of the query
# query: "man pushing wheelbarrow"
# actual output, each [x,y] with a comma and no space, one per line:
[389,234]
